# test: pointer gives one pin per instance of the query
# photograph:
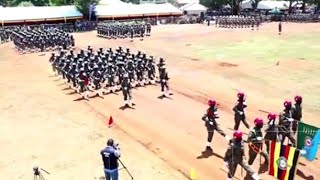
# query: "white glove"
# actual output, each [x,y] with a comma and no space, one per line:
[163,80]
[290,119]
[240,112]
[259,138]
[211,123]
[228,138]
[226,163]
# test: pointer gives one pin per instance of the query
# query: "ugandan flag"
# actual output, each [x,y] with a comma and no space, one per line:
[283,161]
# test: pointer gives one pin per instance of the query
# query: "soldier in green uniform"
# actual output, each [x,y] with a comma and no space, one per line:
[255,140]
[239,111]
[285,123]
[271,131]
[297,112]
[210,122]
[235,156]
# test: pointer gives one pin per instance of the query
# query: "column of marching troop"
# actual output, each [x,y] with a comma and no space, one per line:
[235,155]
[101,72]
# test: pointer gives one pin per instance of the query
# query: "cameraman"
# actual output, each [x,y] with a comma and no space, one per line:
[110,155]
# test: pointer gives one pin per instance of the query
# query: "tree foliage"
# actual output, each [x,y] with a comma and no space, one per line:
[25,4]
[83,6]
[61,2]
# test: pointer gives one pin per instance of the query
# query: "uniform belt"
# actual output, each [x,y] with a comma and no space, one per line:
[255,148]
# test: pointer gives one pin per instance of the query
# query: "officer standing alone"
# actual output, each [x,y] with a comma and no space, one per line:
[110,155]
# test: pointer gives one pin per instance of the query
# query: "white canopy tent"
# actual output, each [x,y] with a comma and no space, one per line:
[193,8]
[111,2]
[21,14]
[136,10]
[247,4]
[268,5]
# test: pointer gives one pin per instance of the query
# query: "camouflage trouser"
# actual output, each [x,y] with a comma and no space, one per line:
[253,155]
[211,129]
[237,123]
[164,84]
[233,167]
[289,135]
[126,94]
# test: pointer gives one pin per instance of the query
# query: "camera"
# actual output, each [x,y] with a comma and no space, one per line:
[36,170]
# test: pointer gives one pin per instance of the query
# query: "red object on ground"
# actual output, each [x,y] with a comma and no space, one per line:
[110,121]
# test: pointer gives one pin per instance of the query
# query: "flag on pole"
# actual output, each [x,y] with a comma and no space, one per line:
[110,123]
[308,138]
[283,161]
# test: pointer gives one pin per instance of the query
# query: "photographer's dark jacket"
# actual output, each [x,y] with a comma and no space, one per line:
[110,157]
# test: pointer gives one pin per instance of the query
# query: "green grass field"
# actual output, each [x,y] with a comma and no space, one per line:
[264,51]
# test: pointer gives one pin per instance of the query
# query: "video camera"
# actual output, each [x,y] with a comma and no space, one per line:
[36,171]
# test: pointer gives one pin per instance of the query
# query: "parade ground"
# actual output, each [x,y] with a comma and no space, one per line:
[43,123]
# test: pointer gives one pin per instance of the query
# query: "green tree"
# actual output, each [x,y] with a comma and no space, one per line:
[26,4]
[61,2]
[34,2]
[83,6]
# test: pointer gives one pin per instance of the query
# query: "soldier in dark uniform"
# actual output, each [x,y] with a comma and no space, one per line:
[235,156]
[151,71]
[297,112]
[163,76]
[255,140]
[271,130]
[83,81]
[109,76]
[126,90]
[210,122]
[239,111]
[285,123]
[280,28]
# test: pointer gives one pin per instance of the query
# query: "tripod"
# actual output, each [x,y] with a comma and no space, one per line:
[37,174]
[124,167]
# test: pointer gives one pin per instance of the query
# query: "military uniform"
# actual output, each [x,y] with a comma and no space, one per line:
[234,156]
[256,145]
[211,123]
[285,126]
[240,114]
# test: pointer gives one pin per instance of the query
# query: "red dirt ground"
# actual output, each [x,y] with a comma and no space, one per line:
[42,125]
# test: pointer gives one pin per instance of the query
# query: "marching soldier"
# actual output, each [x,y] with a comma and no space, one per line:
[235,156]
[271,130]
[239,111]
[285,123]
[210,122]
[163,76]
[126,90]
[255,140]
[297,112]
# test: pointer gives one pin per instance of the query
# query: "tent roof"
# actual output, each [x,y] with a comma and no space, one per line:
[274,4]
[188,1]
[193,7]
[247,4]
[108,2]
[38,13]
[126,10]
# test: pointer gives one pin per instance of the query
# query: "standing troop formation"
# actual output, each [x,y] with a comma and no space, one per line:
[301,18]
[114,30]
[278,132]
[238,22]
[31,40]
[4,36]
[108,71]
